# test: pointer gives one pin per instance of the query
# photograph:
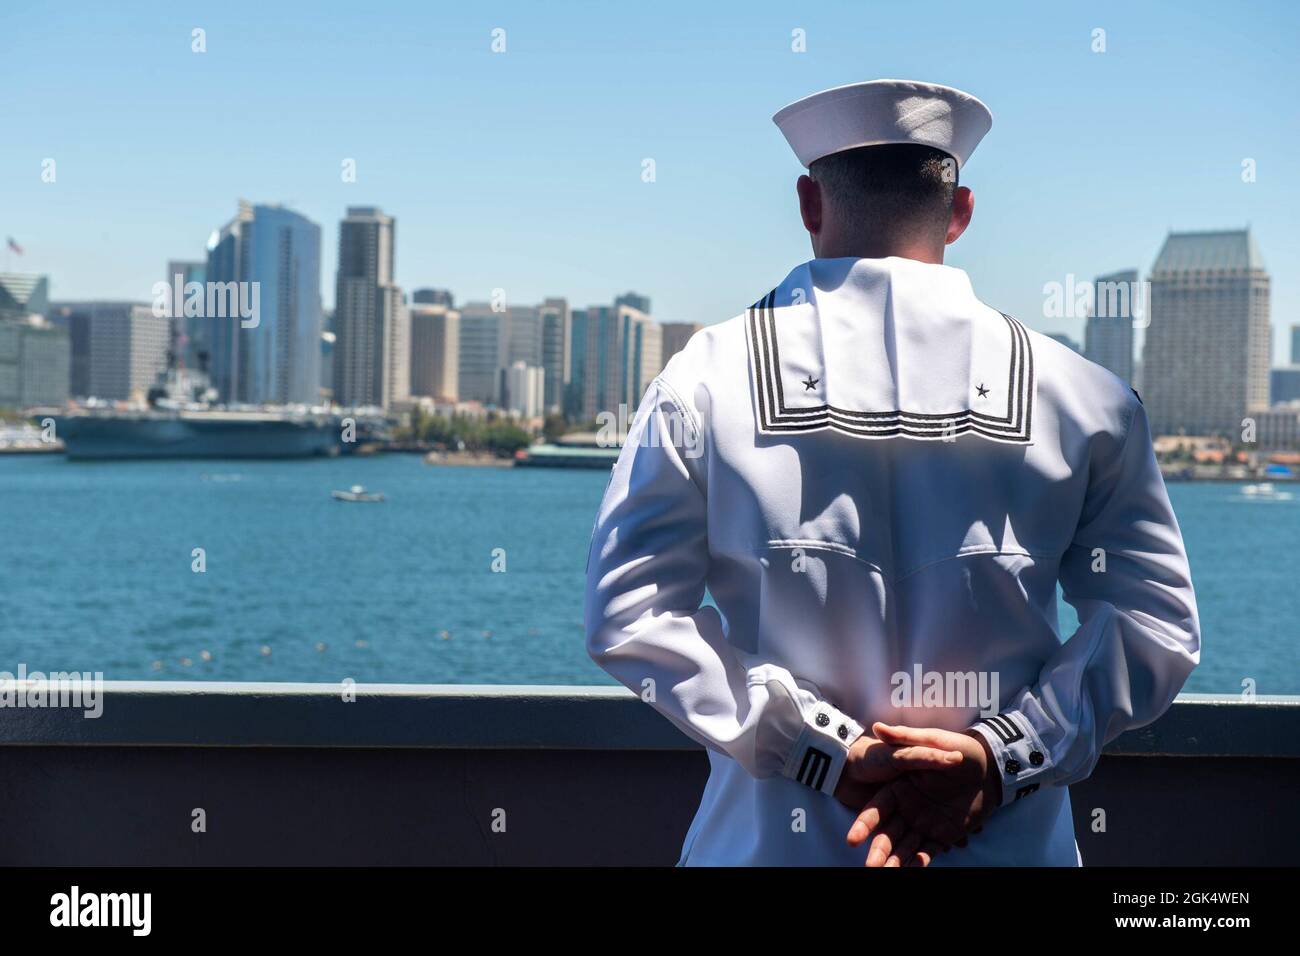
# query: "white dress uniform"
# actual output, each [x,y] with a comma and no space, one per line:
[873,474]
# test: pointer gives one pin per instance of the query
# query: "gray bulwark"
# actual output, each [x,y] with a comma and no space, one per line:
[505,717]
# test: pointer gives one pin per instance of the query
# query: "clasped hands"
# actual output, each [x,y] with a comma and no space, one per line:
[919,790]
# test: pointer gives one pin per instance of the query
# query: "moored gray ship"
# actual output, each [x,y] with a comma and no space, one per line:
[180,421]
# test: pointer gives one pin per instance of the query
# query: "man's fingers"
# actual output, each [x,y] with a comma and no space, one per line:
[924,758]
[919,736]
[880,807]
[888,837]
[906,849]
[926,854]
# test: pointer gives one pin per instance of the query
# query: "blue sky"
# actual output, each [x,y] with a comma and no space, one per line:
[522,170]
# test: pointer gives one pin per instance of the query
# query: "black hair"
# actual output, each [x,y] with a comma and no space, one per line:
[899,185]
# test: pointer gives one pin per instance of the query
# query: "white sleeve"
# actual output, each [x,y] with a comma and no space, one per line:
[1126,574]
[646,576]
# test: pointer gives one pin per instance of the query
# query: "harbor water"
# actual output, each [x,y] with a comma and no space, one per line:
[250,570]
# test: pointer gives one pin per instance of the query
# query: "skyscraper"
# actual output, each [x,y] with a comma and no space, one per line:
[493,337]
[634,300]
[433,297]
[623,352]
[371,321]
[435,351]
[118,349]
[188,329]
[218,351]
[1108,334]
[34,362]
[1295,345]
[273,356]
[484,337]
[575,388]
[1207,350]
[557,348]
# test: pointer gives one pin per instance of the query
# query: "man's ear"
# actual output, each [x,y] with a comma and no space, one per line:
[810,203]
[963,207]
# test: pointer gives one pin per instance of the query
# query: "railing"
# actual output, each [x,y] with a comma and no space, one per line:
[306,774]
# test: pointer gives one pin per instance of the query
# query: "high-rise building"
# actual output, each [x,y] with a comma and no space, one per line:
[1295,345]
[218,349]
[645,355]
[35,358]
[575,388]
[1108,334]
[118,349]
[622,355]
[524,335]
[525,389]
[268,350]
[23,294]
[634,300]
[441,297]
[1207,351]
[435,352]
[557,349]
[484,340]
[371,320]
[1284,384]
[188,329]
[676,335]
[492,338]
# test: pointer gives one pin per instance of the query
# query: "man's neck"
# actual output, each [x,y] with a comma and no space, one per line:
[880,249]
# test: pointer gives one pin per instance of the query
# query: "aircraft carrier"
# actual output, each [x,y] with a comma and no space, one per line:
[180,421]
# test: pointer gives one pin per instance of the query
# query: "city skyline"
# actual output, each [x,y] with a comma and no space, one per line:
[482,213]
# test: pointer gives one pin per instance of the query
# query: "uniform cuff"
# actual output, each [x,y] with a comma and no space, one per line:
[1020,756]
[821,748]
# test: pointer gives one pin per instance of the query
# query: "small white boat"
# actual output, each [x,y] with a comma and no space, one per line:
[356,493]
[1266,490]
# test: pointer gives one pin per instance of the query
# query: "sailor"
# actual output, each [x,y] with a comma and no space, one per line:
[870,473]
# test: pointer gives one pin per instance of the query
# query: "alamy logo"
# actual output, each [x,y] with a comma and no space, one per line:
[75,908]
[945,689]
[670,430]
[213,300]
[58,689]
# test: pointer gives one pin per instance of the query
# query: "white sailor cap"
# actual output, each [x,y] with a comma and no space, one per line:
[882,112]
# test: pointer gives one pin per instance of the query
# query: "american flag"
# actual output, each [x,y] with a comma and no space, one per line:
[13,245]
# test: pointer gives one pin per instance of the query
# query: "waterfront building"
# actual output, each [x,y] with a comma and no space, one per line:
[622,353]
[557,350]
[35,361]
[441,297]
[371,318]
[1278,428]
[525,390]
[634,300]
[1284,384]
[117,349]
[188,329]
[1207,351]
[23,294]
[435,351]
[484,333]
[273,356]
[1108,333]
[575,388]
